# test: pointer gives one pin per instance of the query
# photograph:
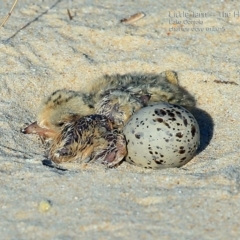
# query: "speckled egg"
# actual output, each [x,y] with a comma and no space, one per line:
[161,136]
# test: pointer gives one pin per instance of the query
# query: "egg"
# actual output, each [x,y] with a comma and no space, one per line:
[161,136]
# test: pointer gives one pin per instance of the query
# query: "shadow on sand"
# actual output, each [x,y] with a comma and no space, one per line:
[206,126]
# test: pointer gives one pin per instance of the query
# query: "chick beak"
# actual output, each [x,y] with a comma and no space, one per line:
[34,128]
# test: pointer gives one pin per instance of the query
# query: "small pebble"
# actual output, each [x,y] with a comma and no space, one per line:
[44,206]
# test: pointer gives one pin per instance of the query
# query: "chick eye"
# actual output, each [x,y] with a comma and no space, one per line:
[59,124]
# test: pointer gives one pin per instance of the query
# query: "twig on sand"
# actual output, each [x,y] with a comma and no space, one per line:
[225,82]
[9,14]
[69,14]
[133,18]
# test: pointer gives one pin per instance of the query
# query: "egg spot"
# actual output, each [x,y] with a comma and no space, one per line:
[165,123]
[193,130]
[179,135]
[182,151]
[138,135]
[182,159]
[159,120]
[185,121]
[159,161]
[170,114]
[160,112]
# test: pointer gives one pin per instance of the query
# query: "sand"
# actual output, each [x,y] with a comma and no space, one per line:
[42,50]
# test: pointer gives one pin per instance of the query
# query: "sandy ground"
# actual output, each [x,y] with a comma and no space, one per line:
[42,50]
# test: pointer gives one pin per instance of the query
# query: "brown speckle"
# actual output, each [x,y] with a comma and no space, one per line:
[159,120]
[185,121]
[137,135]
[160,112]
[159,161]
[193,130]
[182,159]
[181,151]
[165,123]
[179,134]
[170,114]
[178,113]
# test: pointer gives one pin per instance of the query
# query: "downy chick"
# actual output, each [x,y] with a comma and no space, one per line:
[61,107]
[73,136]
[119,96]
[89,139]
